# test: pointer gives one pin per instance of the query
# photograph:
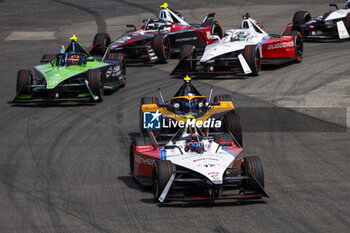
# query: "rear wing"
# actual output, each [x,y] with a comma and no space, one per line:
[288,28]
[208,19]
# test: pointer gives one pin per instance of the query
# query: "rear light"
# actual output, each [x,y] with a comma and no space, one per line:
[311,26]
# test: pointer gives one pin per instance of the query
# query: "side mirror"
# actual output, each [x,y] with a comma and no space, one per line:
[333,4]
[131,26]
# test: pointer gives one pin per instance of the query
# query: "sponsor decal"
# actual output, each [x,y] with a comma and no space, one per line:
[186,39]
[151,120]
[113,71]
[210,122]
[196,160]
[281,45]
[140,160]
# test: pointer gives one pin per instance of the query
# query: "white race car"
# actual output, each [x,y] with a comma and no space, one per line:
[192,166]
[330,25]
[241,50]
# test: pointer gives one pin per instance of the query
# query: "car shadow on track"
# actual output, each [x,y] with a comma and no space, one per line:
[51,104]
[131,183]
[204,204]
[211,77]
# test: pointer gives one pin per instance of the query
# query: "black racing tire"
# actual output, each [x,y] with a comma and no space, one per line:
[100,43]
[216,29]
[188,51]
[136,141]
[252,166]
[347,22]
[150,100]
[224,137]
[146,100]
[162,47]
[120,57]
[301,17]
[232,123]
[24,77]
[252,56]
[46,58]
[95,82]
[299,45]
[162,171]
[219,98]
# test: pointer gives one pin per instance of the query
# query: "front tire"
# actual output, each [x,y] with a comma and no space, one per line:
[24,77]
[96,84]
[252,56]
[252,166]
[161,46]
[162,171]
[188,51]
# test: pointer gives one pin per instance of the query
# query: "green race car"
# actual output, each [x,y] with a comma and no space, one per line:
[72,75]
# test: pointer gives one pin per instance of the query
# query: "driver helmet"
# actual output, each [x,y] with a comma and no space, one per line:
[193,144]
[73,60]
[192,103]
[242,35]
[347,5]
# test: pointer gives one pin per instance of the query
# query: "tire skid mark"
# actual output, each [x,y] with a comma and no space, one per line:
[52,208]
[142,7]
[100,21]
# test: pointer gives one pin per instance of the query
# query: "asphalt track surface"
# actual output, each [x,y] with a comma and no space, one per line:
[64,168]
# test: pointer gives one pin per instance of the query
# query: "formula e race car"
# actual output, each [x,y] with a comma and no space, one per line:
[72,75]
[333,24]
[158,38]
[198,160]
[241,50]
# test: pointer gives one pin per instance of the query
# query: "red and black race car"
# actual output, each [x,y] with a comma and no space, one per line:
[190,148]
[241,50]
[158,38]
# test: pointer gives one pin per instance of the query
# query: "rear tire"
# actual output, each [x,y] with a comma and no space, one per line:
[216,29]
[252,56]
[252,166]
[24,77]
[225,137]
[96,84]
[162,171]
[301,17]
[161,46]
[218,98]
[347,22]
[136,141]
[232,122]
[47,58]
[120,57]
[188,51]
[100,43]
[299,45]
